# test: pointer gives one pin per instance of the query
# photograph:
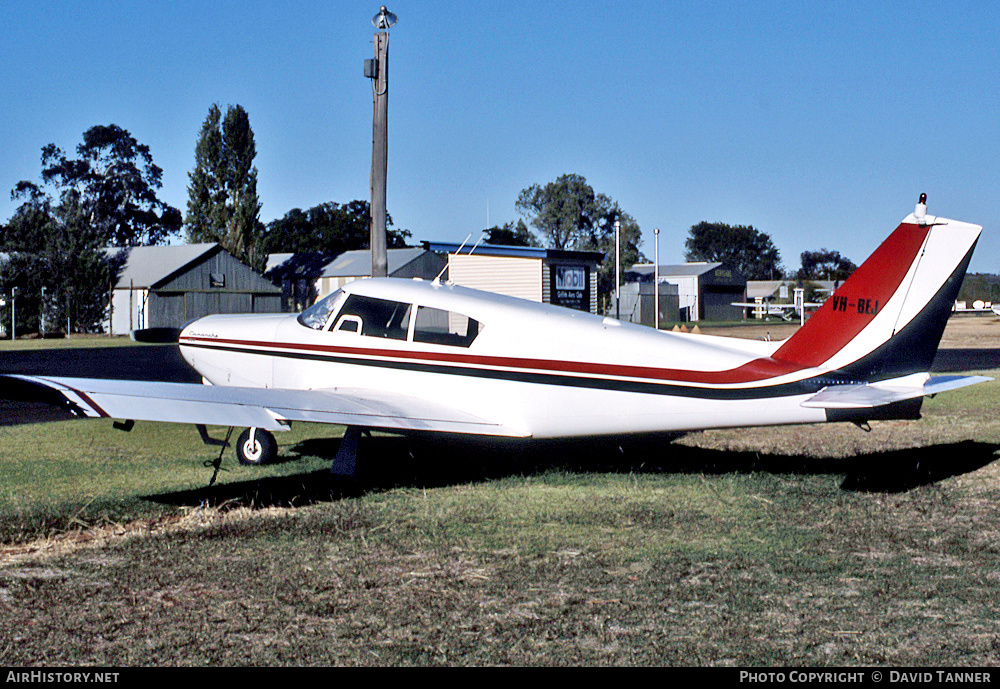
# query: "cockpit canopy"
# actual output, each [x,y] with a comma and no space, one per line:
[373,317]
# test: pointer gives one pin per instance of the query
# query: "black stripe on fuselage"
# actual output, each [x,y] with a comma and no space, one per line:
[803,387]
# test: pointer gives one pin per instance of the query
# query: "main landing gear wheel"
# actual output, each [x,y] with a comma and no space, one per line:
[256,447]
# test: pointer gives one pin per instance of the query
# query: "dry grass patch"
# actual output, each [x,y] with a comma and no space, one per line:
[817,546]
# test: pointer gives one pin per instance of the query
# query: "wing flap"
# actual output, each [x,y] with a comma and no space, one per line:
[257,407]
[875,395]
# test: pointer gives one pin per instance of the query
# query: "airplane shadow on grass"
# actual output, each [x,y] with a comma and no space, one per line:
[387,462]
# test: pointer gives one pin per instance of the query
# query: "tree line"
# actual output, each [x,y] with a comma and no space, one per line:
[65,244]
[60,241]
[63,249]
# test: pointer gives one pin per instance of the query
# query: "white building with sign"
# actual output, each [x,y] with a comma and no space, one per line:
[564,278]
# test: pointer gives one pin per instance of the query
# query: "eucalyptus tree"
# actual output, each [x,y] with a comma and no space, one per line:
[114,182]
[58,238]
[743,248]
[570,215]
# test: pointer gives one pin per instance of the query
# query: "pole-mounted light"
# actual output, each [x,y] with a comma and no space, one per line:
[384,19]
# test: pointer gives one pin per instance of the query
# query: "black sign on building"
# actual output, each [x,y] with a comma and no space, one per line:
[570,286]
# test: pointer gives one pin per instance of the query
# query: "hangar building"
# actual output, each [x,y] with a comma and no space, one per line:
[167,286]
[705,291]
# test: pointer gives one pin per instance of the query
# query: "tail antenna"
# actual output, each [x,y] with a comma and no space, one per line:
[920,212]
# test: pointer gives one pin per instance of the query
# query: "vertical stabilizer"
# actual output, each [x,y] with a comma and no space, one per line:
[886,320]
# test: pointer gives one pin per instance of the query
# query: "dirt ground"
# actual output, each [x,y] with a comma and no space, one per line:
[972,332]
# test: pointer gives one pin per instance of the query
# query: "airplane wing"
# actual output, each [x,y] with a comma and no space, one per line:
[874,395]
[265,408]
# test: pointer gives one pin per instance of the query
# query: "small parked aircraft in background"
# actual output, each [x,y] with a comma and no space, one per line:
[978,306]
[417,356]
[766,309]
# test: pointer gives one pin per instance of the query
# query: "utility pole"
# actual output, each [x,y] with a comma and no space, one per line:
[618,270]
[378,71]
[656,279]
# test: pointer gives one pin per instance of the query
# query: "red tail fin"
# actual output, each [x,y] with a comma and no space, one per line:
[902,294]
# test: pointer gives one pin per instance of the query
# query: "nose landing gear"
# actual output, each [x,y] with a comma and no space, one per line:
[256,447]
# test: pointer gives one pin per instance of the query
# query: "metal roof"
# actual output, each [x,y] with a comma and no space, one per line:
[762,288]
[359,263]
[513,251]
[302,264]
[275,260]
[675,270]
[148,265]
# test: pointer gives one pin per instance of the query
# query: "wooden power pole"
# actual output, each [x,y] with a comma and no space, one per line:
[378,71]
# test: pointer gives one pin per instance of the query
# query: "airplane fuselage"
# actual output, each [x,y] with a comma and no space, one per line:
[543,370]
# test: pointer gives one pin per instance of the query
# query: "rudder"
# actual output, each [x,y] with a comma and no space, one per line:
[886,320]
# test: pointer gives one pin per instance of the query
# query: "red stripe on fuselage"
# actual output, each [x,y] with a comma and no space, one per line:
[844,315]
[752,371]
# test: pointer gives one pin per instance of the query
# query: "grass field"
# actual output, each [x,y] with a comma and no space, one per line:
[72,342]
[818,545]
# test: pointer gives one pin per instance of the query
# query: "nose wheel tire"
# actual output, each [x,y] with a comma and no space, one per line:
[256,447]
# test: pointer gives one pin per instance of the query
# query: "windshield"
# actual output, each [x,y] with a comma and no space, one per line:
[318,314]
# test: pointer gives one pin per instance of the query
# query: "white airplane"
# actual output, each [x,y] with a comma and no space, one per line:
[782,311]
[418,356]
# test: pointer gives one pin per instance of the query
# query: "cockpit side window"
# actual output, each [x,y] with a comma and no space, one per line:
[317,315]
[436,326]
[378,317]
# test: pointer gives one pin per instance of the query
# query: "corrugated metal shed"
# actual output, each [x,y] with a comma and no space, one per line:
[514,276]
[706,290]
[167,286]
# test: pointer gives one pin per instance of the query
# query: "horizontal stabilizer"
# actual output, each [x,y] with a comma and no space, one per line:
[267,408]
[867,396]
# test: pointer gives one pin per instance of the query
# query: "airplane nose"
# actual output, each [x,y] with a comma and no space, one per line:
[229,349]
[185,330]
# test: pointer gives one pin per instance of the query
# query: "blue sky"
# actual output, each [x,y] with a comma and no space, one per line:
[818,122]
